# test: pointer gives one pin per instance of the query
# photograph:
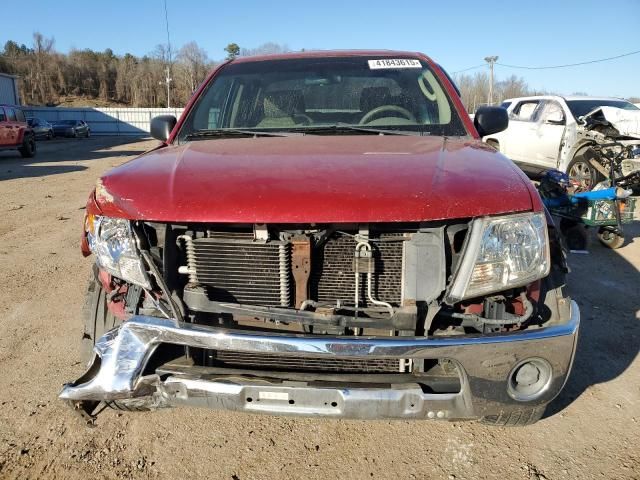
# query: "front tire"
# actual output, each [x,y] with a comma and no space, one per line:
[97,318]
[582,172]
[28,148]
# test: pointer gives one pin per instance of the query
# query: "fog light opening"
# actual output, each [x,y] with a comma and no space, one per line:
[529,379]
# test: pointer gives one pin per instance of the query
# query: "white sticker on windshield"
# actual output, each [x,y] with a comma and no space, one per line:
[394,63]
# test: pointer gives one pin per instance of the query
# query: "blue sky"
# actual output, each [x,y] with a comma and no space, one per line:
[456,34]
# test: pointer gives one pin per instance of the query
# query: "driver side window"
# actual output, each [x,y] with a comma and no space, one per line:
[551,112]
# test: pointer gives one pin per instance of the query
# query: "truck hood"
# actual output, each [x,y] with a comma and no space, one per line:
[316,179]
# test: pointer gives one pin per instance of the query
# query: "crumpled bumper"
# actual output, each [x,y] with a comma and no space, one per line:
[485,364]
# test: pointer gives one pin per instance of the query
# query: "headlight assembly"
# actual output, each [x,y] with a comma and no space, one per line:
[501,253]
[112,242]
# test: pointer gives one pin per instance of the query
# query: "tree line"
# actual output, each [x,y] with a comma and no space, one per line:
[48,77]
[474,89]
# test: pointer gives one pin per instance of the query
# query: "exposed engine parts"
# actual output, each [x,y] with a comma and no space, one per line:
[614,142]
[322,279]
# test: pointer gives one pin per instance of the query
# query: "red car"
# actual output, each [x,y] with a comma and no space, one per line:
[15,133]
[325,234]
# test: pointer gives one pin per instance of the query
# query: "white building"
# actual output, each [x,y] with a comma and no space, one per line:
[9,89]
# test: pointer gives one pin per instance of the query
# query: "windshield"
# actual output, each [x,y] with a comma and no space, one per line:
[66,122]
[325,94]
[580,108]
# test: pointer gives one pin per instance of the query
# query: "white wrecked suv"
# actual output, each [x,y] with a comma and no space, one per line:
[325,234]
[582,136]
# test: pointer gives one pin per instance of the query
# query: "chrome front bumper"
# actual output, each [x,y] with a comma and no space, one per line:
[484,364]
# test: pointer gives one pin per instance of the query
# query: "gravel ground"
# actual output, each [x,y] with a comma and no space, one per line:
[591,431]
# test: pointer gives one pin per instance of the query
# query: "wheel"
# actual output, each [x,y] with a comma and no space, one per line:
[97,321]
[28,148]
[88,133]
[49,135]
[96,316]
[583,173]
[610,238]
[524,416]
[74,134]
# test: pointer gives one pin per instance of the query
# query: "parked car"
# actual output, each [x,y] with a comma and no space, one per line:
[325,234]
[545,133]
[15,132]
[71,128]
[41,128]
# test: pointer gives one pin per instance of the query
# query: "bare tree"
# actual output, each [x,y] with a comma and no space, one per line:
[511,87]
[41,84]
[193,61]
[474,89]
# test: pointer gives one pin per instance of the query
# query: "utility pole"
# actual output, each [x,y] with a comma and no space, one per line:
[168,81]
[168,78]
[491,61]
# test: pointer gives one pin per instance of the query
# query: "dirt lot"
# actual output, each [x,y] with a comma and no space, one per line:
[591,431]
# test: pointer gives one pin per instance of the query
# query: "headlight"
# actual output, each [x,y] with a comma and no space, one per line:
[502,253]
[111,241]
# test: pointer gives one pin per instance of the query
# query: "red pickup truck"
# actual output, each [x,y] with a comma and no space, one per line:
[325,234]
[15,132]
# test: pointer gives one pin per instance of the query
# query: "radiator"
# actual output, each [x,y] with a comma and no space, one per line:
[243,272]
[234,268]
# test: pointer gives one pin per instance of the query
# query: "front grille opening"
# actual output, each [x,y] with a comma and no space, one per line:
[434,376]
[292,363]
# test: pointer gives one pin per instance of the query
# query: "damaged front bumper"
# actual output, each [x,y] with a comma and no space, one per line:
[485,364]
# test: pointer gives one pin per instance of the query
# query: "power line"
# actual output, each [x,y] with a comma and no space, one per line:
[547,67]
[470,68]
[569,64]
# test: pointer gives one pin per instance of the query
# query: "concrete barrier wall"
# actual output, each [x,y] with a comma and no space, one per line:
[105,121]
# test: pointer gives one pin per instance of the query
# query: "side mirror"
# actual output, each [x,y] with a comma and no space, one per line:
[490,120]
[556,118]
[161,126]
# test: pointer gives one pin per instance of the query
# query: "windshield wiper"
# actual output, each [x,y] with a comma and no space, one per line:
[295,131]
[234,132]
[346,127]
